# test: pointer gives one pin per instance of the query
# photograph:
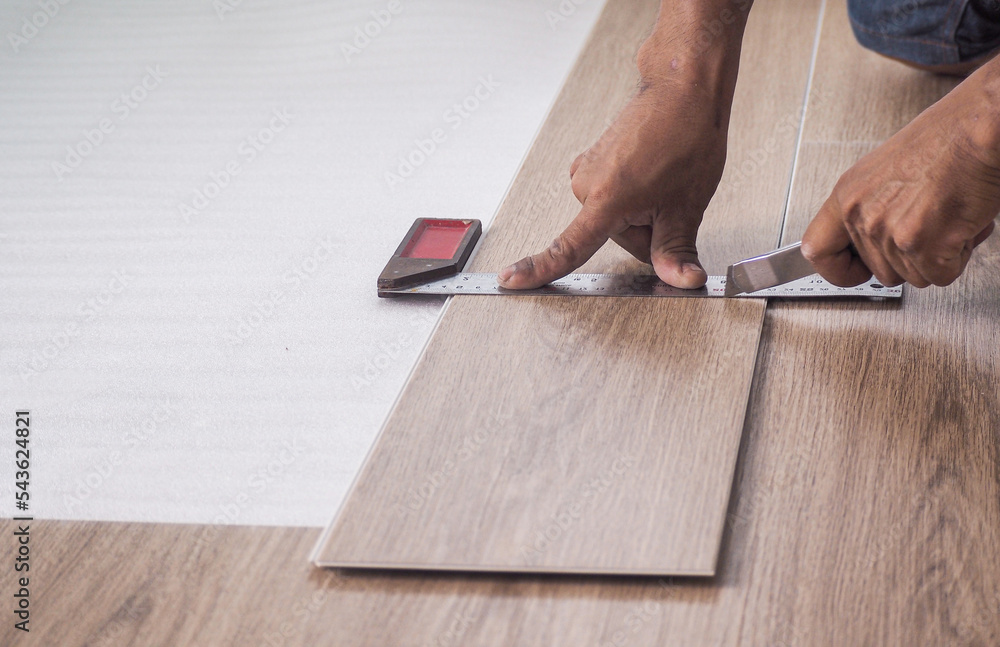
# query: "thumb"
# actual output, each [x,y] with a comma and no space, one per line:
[675,255]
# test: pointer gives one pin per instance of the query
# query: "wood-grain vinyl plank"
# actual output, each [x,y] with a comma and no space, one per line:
[581,435]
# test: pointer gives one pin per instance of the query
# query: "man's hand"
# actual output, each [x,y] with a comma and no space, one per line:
[647,181]
[915,208]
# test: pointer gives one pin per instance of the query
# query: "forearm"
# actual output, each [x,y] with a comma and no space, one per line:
[989,82]
[974,108]
[696,44]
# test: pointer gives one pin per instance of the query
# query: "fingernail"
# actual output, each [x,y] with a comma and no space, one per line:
[689,268]
[506,273]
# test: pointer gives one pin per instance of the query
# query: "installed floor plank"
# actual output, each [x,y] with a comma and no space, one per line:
[883,423]
[570,435]
[877,456]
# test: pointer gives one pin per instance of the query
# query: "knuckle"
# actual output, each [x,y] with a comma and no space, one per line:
[526,265]
[677,244]
[943,273]
[942,269]
[854,220]
[907,242]
[600,192]
[865,225]
[645,58]
[886,277]
[561,251]
[809,251]
[919,282]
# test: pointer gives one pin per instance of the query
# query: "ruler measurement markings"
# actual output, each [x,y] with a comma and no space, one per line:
[641,286]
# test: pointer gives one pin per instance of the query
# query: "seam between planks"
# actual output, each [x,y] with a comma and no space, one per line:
[744,437]
[802,121]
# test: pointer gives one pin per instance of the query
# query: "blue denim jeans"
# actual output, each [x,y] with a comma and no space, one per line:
[927,32]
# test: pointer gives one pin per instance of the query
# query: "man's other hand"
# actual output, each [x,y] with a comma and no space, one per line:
[915,208]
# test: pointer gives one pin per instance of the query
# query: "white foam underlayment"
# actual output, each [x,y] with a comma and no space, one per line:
[229,362]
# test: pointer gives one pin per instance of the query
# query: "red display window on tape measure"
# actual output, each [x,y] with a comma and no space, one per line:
[432,249]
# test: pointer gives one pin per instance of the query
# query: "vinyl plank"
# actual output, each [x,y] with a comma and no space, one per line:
[160,584]
[587,436]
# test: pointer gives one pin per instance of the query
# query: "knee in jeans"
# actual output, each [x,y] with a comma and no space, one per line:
[893,18]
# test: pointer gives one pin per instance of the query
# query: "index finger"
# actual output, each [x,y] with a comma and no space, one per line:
[827,245]
[571,249]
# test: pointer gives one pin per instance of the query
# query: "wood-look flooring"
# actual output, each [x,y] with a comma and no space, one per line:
[865,510]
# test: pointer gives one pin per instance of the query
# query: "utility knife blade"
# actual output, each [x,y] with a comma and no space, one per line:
[767,270]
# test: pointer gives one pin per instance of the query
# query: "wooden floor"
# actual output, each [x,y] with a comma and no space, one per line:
[519,406]
[865,508]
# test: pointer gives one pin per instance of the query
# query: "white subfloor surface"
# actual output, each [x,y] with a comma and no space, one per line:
[194,205]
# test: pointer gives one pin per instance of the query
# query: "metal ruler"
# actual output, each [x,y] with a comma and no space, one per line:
[431,257]
[617,285]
